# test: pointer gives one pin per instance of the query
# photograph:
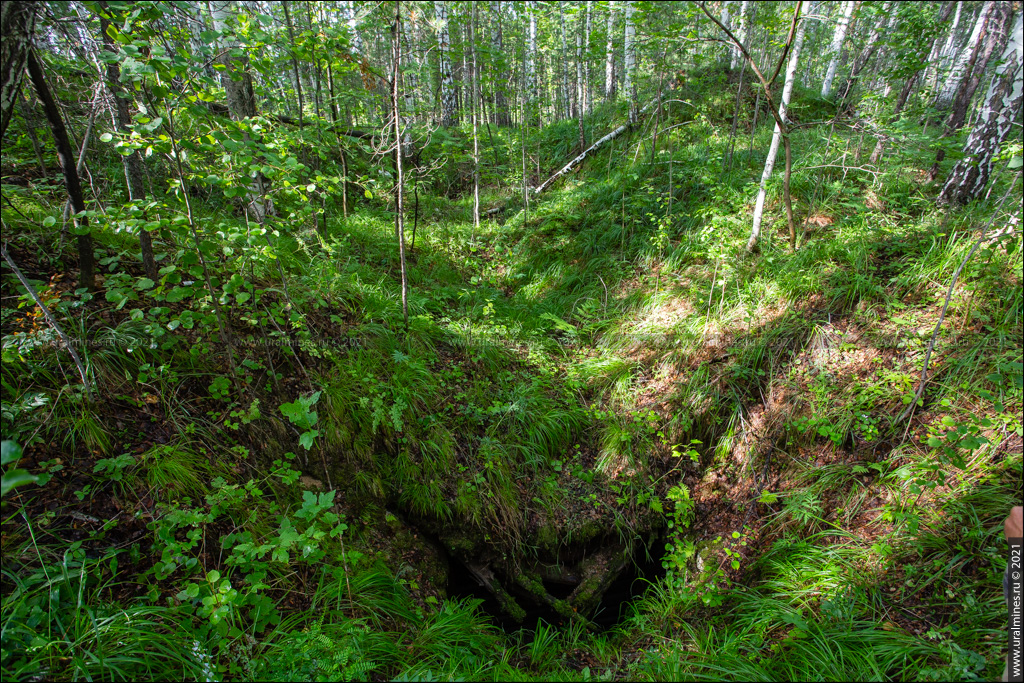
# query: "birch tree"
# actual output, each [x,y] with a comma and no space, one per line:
[531,64]
[449,100]
[609,55]
[964,61]
[501,115]
[474,96]
[580,94]
[586,60]
[836,48]
[777,138]
[1001,107]
[993,41]
[867,51]
[396,116]
[741,34]
[726,20]
[567,111]
[629,60]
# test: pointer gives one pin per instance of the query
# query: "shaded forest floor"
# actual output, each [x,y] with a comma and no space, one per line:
[605,369]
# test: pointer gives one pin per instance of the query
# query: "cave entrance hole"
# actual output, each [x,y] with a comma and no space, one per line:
[639,574]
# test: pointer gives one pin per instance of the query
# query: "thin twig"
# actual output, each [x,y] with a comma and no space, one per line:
[49,318]
[945,305]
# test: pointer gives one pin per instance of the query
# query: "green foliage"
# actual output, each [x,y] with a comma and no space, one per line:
[13,477]
[299,413]
[560,361]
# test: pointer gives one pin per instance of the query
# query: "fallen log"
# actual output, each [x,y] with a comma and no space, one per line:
[594,147]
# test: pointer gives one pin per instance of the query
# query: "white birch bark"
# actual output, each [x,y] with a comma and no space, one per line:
[444,65]
[741,34]
[474,99]
[579,69]
[1002,104]
[726,20]
[945,97]
[609,52]
[836,48]
[586,60]
[773,150]
[531,65]
[947,49]
[629,59]
[566,99]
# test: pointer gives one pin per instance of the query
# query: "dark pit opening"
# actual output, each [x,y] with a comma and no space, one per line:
[558,590]
[629,586]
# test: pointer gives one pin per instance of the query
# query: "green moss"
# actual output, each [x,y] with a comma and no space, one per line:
[547,538]
[509,605]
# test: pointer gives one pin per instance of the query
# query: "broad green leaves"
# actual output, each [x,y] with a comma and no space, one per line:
[300,414]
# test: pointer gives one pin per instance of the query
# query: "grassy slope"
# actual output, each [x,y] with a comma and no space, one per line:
[853,559]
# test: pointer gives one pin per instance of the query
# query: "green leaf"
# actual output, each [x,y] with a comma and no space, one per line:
[106,137]
[10,453]
[369,195]
[307,438]
[14,478]
[49,221]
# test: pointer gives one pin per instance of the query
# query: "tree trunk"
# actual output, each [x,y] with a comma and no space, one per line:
[836,48]
[629,57]
[240,96]
[444,66]
[17,23]
[866,53]
[1002,105]
[741,33]
[964,61]
[609,58]
[586,61]
[65,155]
[531,66]
[397,117]
[474,95]
[132,163]
[501,116]
[780,136]
[593,148]
[295,60]
[567,109]
[727,22]
[993,41]
[580,95]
